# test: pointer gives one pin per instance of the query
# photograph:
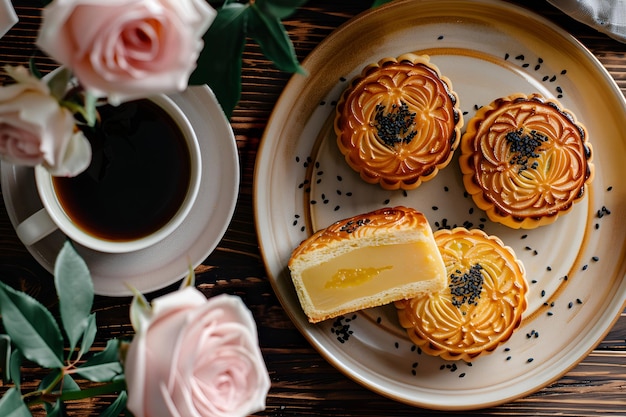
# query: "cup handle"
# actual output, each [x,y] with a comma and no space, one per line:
[35,227]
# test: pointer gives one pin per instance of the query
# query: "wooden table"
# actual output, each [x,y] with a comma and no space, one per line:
[303,383]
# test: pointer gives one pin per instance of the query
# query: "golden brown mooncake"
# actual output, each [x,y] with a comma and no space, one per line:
[366,261]
[398,122]
[481,305]
[525,160]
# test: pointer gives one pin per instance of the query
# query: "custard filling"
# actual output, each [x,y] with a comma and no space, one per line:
[369,271]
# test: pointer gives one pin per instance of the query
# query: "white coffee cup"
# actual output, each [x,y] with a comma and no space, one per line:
[53,216]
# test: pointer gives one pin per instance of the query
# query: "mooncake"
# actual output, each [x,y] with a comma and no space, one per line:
[481,305]
[366,261]
[525,160]
[398,122]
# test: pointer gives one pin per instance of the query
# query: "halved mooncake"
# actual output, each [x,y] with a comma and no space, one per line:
[481,305]
[398,122]
[525,160]
[366,261]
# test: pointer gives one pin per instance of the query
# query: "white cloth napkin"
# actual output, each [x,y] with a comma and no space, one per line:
[607,16]
[7,16]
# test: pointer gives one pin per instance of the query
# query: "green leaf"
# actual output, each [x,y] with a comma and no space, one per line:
[279,8]
[31,327]
[15,366]
[5,357]
[58,82]
[54,410]
[270,34]
[117,406]
[89,335]
[379,3]
[103,366]
[219,63]
[12,405]
[59,384]
[75,290]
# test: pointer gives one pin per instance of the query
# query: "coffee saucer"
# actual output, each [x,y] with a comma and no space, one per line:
[167,261]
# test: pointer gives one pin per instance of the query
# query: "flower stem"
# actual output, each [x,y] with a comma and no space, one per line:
[108,388]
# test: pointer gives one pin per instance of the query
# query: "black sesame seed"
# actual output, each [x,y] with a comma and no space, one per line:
[578,301]
[297,159]
[570,305]
[534,281]
[507,349]
[440,37]
[585,267]
[435,208]
[524,236]
[342,79]
[336,208]
[545,78]
[461,375]
[543,293]
[379,320]
[537,67]
[597,226]
[564,71]
[386,201]
[506,56]
[508,358]
[550,313]
[595,258]
[548,268]
[609,188]
[526,65]
[529,360]
[397,345]
[446,189]
[520,57]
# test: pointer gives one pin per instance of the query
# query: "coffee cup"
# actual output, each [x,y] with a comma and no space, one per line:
[143,180]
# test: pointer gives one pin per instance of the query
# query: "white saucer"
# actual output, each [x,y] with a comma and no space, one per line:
[168,261]
[8,18]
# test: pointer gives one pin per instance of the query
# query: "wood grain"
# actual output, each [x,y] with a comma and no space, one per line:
[303,383]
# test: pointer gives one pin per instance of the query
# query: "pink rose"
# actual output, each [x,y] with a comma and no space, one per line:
[126,49]
[193,357]
[35,129]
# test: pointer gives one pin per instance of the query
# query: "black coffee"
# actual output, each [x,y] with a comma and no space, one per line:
[138,177]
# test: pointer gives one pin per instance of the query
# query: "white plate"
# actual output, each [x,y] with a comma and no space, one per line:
[488,49]
[168,261]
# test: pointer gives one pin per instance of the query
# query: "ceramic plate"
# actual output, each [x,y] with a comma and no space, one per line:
[576,267]
[168,261]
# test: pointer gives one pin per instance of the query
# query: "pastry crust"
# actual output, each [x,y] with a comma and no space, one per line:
[361,238]
[525,160]
[481,305]
[398,123]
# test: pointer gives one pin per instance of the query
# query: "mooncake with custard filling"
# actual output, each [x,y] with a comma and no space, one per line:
[481,305]
[366,261]
[525,160]
[398,122]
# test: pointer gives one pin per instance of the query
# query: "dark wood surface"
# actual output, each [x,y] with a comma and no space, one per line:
[303,383]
